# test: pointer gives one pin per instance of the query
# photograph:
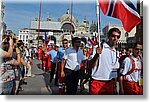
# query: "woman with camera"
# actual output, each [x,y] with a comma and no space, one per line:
[7,74]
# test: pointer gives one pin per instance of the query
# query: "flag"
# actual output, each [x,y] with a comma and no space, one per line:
[90,41]
[46,38]
[123,10]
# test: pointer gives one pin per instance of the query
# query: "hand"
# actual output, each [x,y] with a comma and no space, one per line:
[62,74]
[98,50]
[4,40]
[84,61]
[27,66]
[17,51]
[11,42]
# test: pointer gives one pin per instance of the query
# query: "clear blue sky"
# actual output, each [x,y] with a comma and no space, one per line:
[18,14]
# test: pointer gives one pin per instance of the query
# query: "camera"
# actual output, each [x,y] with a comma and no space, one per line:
[7,36]
[14,40]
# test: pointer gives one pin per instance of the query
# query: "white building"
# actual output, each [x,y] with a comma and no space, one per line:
[28,36]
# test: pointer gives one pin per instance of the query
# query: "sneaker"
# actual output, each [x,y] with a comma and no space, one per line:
[20,88]
[25,83]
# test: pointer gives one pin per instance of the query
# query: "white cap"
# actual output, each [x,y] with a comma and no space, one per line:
[58,45]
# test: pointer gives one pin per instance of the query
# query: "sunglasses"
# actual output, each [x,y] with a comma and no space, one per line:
[138,49]
[78,41]
[65,43]
[118,36]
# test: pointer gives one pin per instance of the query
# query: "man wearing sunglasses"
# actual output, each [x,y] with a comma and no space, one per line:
[71,61]
[131,72]
[104,64]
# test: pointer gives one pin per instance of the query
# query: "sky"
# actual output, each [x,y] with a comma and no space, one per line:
[19,14]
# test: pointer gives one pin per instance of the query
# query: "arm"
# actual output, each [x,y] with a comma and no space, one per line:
[5,54]
[121,90]
[63,67]
[93,61]
[56,60]
[17,62]
[24,63]
[123,70]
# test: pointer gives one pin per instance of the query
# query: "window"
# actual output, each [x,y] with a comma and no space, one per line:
[20,36]
[23,37]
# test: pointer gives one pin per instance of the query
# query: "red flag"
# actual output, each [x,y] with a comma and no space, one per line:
[123,10]
[94,43]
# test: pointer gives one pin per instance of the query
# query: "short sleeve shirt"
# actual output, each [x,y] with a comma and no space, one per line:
[60,54]
[127,66]
[105,68]
[73,58]
[53,54]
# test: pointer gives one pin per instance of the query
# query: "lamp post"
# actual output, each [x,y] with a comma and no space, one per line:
[28,40]
[126,35]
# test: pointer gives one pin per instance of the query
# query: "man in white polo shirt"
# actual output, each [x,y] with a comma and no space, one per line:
[104,62]
[71,61]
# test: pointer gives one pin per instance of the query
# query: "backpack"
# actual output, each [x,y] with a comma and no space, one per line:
[6,71]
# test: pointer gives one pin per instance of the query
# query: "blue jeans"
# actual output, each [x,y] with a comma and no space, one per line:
[6,88]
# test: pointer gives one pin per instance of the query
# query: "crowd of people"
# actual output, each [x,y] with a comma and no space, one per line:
[101,65]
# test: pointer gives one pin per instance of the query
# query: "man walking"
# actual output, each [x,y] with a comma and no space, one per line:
[71,65]
[104,62]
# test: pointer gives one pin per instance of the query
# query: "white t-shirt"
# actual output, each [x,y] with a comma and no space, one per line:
[105,68]
[73,58]
[127,66]
[27,52]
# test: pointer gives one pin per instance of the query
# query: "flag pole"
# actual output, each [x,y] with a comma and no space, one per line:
[39,20]
[71,18]
[98,21]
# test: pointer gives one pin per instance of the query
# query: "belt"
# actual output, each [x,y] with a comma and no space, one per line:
[101,80]
[71,69]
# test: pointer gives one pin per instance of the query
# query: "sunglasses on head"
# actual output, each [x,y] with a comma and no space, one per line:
[118,36]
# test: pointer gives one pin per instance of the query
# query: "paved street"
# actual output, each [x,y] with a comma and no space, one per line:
[39,84]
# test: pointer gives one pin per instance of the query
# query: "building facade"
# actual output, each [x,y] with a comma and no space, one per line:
[28,36]
[139,32]
[64,27]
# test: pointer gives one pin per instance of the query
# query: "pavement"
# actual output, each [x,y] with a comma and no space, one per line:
[38,83]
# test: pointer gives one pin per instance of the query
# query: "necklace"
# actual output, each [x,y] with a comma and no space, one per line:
[112,57]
